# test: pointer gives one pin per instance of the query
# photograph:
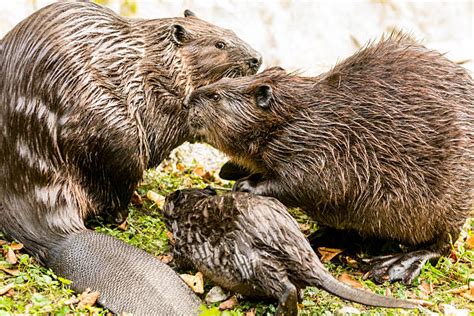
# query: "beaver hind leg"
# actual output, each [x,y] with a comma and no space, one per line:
[403,267]
[288,301]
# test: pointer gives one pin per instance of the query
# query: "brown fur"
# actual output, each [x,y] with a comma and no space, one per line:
[382,144]
[89,100]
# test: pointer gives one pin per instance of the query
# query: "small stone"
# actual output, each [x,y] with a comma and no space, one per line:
[347,310]
[216,294]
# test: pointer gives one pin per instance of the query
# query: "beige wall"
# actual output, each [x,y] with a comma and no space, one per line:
[308,35]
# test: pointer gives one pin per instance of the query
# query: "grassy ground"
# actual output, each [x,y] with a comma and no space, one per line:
[28,288]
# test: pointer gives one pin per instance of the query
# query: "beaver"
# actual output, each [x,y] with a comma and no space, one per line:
[251,245]
[88,101]
[381,145]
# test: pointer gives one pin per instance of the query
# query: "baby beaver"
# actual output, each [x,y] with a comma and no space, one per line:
[251,245]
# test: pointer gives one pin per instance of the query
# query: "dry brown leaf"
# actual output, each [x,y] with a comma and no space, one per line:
[420,302]
[199,170]
[136,199]
[229,304]
[13,272]
[180,166]
[426,288]
[166,258]
[71,301]
[468,295]
[458,290]
[6,288]
[10,256]
[195,282]
[156,198]
[328,253]
[170,237]
[3,242]
[88,298]
[16,246]
[250,312]
[346,278]
[471,287]
[470,242]
[304,227]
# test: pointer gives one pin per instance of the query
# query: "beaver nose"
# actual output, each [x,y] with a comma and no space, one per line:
[254,63]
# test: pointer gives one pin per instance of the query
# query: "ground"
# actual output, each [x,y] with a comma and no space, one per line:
[28,288]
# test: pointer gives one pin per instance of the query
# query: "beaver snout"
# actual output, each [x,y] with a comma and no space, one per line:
[254,63]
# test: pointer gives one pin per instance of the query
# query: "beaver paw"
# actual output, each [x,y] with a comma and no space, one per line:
[251,184]
[404,267]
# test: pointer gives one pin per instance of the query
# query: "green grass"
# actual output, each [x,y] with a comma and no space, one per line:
[37,290]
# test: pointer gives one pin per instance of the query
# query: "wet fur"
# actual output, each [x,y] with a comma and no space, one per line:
[382,144]
[88,101]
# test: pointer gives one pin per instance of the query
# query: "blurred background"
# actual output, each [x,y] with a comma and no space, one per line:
[309,36]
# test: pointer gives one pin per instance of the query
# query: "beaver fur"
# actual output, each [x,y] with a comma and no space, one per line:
[251,245]
[88,101]
[382,144]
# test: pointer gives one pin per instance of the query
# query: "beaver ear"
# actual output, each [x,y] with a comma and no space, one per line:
[188,13]
[178,34]
[263,95]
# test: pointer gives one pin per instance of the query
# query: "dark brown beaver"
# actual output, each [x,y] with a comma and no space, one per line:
[251,245]
[88,100]
[382,144]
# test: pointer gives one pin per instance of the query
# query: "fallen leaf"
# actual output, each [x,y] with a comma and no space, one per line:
[123,226]
[426,288]
[13,272]
[250,312]
[88,298]
[328,253]
[166,258]
[458,290]
[71,301]
[156,198]
[346,278]
[180,166]
[3,242]
[229,304]
[136,199]
[16,245]
[471,287]
[450,310]
[10,256]
[470,242]
[195,282]
[170,237]
[199,170]
[6,288]
[468,295]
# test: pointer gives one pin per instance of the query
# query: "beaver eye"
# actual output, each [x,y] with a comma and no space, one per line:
[220,45]
[215,97]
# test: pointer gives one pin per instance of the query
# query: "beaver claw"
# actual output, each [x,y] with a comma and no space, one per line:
[404,267]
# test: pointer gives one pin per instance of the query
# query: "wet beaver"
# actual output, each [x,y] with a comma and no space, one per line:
[88,101]
[382,145]
[251,245]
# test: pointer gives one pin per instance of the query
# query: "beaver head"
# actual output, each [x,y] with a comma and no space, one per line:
[239,115]
[199,52]
[181,202]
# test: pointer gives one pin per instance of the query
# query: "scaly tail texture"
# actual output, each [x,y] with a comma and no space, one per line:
[128,279]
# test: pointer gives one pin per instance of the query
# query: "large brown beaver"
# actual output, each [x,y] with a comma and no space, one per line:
[251,245]
[88,101]
[382,144]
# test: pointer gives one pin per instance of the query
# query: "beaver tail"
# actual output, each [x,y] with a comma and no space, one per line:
[323,279]
[128,279]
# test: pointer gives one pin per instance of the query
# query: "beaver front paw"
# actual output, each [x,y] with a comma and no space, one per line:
[251,184]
